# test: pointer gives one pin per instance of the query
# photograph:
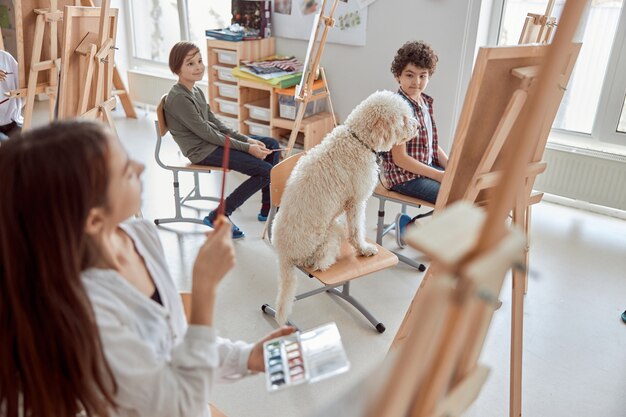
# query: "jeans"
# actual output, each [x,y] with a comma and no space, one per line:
[423,188]
[258,169]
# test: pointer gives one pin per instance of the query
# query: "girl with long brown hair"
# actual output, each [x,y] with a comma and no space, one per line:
[90,320]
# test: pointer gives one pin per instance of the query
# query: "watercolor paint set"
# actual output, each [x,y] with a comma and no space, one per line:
[304,357]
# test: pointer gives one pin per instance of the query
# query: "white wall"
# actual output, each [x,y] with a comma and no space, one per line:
[353,72]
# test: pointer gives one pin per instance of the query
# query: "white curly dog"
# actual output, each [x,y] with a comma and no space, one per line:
[335,177]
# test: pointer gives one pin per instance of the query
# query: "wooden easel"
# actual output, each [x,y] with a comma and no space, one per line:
[37,54]
[88,55]
[538,28]
[118,84]
[436,371]
[503,86]
[304,91]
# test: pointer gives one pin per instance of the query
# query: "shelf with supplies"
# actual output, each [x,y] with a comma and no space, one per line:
[255,108]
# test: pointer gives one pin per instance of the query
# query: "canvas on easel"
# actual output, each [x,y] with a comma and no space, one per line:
[89,35]
[119,89]
[304,91]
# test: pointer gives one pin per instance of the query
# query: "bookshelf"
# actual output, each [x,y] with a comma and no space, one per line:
[251,107]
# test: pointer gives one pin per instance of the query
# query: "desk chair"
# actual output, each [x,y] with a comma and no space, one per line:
[186,299]
[336,280]
[383,195]
[182,165]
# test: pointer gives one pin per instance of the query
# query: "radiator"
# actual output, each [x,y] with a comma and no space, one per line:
[146,88]
[586,175]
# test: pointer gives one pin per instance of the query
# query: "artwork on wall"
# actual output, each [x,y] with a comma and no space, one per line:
[295,21]
[282,6]
[308,6]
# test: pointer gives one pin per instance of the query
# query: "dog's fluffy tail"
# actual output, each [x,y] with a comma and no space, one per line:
[286,291]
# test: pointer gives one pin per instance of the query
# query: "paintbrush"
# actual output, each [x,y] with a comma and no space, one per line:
[220,208]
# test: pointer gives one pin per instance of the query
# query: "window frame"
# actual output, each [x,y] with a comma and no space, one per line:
[149,64]
[611,102]
[613,90]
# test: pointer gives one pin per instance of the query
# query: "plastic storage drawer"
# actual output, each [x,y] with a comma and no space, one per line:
[226,57]
[227,106]
[225,73]
[227,90]
[259,110]
[288,106]
[257,128]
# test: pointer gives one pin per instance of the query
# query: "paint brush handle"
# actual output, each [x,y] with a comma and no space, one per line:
[221,208]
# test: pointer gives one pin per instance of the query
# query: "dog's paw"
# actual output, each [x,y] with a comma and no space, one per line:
[368,250]
[322,265]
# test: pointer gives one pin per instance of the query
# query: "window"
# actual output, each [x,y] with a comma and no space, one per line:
[156,25]
[155,28]
[621,127]
[599,70]
[204,15]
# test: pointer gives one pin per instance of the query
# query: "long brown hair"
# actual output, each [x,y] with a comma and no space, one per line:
[51,360]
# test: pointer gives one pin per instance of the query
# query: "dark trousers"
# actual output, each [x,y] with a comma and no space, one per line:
[423,188]
[257,169]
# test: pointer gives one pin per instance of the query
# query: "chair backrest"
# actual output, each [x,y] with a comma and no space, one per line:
[279,176]
[160,112]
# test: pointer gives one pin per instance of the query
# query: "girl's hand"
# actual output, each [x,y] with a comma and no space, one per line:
[255,362]
[215,258]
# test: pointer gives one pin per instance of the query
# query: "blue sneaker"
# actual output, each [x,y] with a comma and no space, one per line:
[624,316]
[237,233]
[261,217]
[402,220]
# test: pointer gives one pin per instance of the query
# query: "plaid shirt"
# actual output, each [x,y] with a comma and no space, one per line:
[416,148]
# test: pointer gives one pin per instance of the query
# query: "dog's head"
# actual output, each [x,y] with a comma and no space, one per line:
[383,120]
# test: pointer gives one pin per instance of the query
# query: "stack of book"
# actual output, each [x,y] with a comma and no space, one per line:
[277,71]
[224,35]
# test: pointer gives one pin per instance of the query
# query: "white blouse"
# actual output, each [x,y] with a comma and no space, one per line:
[162,366]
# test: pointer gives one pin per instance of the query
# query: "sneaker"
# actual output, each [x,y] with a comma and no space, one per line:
[264,213]
[237,233]
[624,316]
[402,220]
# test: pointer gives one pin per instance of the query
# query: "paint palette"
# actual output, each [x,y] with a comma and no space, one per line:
[304,357]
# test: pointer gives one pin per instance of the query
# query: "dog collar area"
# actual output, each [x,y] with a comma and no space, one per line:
[378,160]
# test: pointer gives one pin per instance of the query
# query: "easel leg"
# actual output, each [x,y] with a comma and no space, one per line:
[108,117]
[84,100]
[330,102]
[296,126]
[527,219]
[517,325]
[53,76]
[127,103]
[405,327]
[32,77]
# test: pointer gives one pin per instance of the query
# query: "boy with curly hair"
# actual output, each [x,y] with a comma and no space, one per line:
[416,167]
